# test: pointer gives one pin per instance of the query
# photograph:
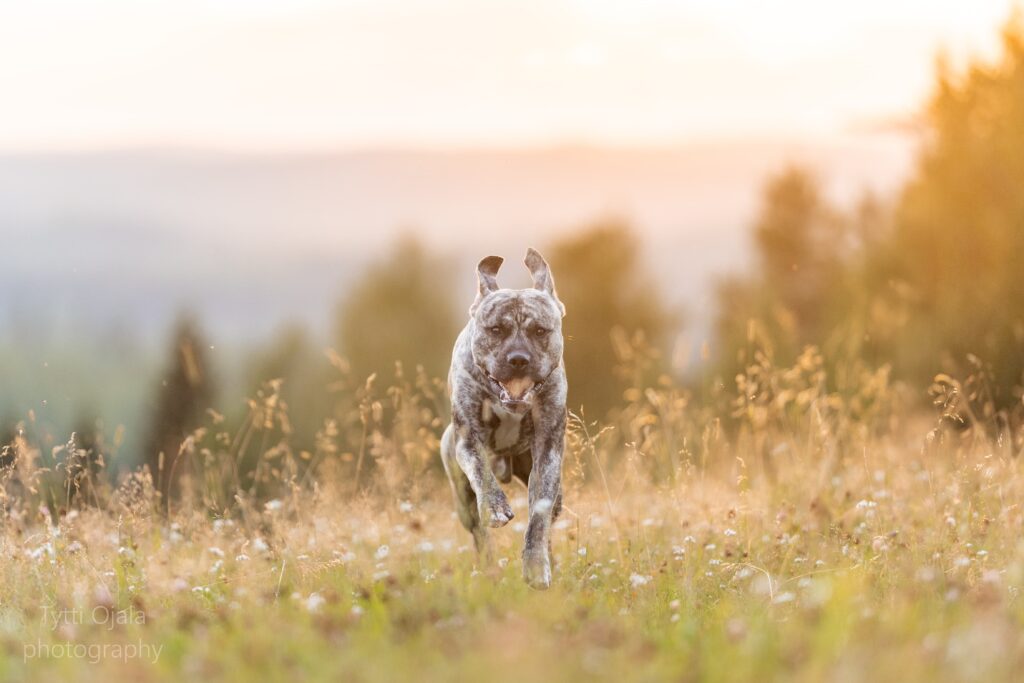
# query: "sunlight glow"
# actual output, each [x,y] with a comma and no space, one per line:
[273,74]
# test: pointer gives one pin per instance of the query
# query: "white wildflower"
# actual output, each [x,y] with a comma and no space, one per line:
[314,601]
[638,580]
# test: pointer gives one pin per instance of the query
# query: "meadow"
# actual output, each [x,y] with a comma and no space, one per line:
[803,525]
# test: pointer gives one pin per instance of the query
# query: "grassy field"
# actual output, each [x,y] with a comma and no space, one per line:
[805,534]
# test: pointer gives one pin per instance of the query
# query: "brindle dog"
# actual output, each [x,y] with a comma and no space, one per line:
[508,386]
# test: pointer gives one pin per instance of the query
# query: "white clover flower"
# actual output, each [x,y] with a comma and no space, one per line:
[582,552]
[44,549]
[425,547]
[991,576]
[314,602]
[215,551]
[241,558]
[638,580]
[730,532]
[405,506]
[272,505]
[382,552]
[783,598]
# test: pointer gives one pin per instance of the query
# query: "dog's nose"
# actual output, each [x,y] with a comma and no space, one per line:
[518,359]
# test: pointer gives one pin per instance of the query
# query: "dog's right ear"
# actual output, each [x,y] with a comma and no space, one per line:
[487,278]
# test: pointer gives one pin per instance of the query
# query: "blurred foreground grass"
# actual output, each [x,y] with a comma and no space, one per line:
[901,568]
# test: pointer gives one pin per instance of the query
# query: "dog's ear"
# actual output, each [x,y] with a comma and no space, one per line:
[487,278]
[542,278]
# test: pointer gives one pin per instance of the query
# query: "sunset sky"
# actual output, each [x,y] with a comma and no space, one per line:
[268,74]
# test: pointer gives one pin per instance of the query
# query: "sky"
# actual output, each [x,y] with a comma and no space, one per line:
[311,74]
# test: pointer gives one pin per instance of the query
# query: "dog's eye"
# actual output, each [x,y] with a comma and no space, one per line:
[495,329]
[541,331]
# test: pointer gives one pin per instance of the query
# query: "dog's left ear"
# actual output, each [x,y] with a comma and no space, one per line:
[487,279]
[542,278]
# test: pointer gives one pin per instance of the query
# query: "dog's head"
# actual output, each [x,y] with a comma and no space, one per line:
[517,333]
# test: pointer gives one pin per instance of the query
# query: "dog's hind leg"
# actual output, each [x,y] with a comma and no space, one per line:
[465,499]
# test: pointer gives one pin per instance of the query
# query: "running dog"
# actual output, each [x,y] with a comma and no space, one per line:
[507,384]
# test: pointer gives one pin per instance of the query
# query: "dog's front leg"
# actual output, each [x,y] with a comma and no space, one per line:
[491,502]
[545,499]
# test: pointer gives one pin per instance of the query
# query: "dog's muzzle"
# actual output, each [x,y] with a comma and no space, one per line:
[516,394]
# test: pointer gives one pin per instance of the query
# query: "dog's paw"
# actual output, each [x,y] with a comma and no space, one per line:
[537,569]
[495,510]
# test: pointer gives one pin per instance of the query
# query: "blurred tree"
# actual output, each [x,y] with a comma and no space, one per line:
[601,279]
[802,246]
[401,310]
[953,262]
[293,357]
[182,397]
[799,242]
[931,285]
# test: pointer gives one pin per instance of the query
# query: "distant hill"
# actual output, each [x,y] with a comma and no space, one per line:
[248,240]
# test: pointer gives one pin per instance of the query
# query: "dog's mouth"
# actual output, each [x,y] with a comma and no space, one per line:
[517,391]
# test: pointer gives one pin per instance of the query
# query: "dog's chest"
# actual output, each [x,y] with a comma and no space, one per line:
[510,432]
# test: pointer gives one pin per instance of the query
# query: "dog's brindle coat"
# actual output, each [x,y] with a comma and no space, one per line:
[508,388]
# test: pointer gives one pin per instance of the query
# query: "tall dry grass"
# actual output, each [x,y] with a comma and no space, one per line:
[790,525]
